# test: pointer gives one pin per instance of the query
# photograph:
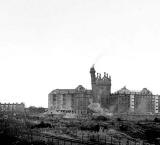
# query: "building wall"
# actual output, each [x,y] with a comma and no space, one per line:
[123,101]
[144,104]
[112,103]
[81,102]
[156,102]
[137,103]
[73,101]
[67,101]
[132,103]
[15,107]
[101,87]
[118,103]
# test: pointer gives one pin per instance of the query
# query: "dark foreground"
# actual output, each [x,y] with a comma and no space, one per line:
[22,130]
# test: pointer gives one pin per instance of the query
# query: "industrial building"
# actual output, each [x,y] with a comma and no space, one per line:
[76,101]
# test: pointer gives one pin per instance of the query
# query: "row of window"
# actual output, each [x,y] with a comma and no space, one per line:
[73,111]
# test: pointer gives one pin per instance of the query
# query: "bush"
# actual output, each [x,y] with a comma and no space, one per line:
[42,125]
[101,118]
[88,126]
[156,119]
[123,128]
[119,119]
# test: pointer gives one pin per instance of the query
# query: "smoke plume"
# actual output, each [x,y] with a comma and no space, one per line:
[98,58]
[98,110]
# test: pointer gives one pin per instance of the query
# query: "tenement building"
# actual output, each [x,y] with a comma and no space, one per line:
[76,100]
[126,101]
[12,107]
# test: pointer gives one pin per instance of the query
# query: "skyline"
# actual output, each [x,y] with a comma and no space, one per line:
[52,44]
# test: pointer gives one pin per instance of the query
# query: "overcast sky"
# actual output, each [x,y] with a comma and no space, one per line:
[50,44]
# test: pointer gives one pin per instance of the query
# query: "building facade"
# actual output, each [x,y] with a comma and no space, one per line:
[73,101]
[101,87]
[12,107]
[76,100]
[126,101]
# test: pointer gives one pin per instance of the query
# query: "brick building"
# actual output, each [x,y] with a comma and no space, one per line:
[73,101]
[134,101]
[12,107]
[76,100]
[101,87]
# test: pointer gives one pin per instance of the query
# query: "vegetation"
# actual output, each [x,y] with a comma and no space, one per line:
[100,118]
[35,110]
[12,140]
[13,127]
[42,125]
[157,119]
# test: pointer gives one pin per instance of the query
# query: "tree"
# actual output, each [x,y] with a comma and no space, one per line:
[36,110]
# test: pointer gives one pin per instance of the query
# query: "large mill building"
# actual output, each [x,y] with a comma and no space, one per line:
[76,100]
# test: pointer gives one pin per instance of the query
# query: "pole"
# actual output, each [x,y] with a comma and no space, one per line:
[82,137]
[111,140]
[58,141]
[98,137]
[119,142]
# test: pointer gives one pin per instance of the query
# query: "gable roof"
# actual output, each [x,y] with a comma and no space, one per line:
[124,90]
[78,89]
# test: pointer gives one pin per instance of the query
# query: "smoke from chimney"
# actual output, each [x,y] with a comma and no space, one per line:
[98,57]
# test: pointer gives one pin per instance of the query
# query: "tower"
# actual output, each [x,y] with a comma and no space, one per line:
[93,83]
[101,87]
[93,77]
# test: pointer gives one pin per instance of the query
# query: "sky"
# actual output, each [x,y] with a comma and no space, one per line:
[51,44]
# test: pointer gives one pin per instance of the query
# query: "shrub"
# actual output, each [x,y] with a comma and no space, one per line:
[156,119]
[101,118]
[123,128]
[119,119]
